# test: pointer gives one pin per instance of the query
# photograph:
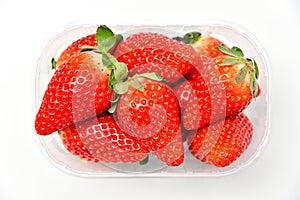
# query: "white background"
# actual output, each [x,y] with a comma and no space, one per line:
[26,27]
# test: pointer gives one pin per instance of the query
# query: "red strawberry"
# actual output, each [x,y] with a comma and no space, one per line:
[152,52]
[73,143]
[76,47]
[77,91]
[151,114]
[203,44]
[223,142]
[101,139]
[217,88]
[81,87]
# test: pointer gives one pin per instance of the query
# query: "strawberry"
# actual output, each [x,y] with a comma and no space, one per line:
[101,139]
[152,52]
[203,44]
[223,142]
[77,91]
[75,48]
[217,88]
[151,114]
[73,143]
[80,87]
[87,41]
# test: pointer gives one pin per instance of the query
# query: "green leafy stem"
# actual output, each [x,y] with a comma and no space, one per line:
[118,80]
[236,56]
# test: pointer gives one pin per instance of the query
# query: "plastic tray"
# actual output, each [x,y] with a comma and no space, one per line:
[258,111]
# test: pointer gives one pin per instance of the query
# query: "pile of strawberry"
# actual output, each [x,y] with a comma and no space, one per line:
[118,100]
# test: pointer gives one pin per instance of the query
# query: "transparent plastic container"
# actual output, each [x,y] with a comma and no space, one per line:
[258,111]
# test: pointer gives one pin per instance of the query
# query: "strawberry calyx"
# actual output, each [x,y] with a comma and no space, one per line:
[53,64]
[236,56]
[189,38]
[202,44]
[122,86]
[118,80]
[144,161]
[106,39]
